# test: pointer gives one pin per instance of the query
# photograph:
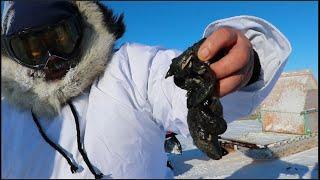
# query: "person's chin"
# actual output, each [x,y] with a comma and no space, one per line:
[52,75]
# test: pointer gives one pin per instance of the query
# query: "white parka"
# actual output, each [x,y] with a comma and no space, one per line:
[124,116]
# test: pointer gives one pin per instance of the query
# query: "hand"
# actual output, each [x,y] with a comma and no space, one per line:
[235,56]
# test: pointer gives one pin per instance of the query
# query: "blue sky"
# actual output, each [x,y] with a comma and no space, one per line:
[181,23]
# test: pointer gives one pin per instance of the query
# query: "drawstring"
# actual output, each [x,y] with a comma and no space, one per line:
[73,167]
[80,147]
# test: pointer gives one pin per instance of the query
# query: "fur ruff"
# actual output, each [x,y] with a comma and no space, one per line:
[46,98]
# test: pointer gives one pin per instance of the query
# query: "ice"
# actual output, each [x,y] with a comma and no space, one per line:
[195,164]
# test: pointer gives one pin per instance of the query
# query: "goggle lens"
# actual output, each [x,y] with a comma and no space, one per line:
[32,49]
[62,39]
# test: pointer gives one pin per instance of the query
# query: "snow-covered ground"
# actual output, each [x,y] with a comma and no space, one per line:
[194,164]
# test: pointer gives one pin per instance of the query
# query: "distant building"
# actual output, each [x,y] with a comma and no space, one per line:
[292,106]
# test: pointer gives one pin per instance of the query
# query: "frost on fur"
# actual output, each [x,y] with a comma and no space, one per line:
[46,98]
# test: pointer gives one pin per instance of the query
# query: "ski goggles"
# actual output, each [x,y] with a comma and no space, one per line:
[32,47]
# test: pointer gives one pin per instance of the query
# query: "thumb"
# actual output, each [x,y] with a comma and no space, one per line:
[204,52]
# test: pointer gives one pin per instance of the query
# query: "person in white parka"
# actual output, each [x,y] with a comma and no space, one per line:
[74,107]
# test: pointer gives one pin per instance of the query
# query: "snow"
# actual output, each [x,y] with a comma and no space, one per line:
[194,164]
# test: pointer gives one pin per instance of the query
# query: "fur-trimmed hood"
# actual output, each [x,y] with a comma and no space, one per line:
[101,29]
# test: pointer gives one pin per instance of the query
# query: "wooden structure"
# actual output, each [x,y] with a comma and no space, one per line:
[292,105]
[285,123]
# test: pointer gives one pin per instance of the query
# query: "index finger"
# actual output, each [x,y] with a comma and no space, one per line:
[221,38]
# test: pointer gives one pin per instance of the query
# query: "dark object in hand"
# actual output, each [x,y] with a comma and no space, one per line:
[172,144]
[205,114]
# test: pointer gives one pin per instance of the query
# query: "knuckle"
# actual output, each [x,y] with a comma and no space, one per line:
[243,54]
[227,32]
[224,30]
[244,40]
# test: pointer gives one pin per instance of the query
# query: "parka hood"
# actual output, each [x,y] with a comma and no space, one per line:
[100,30]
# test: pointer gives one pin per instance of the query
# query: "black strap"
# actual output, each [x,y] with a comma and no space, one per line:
[80,147]
[73,167]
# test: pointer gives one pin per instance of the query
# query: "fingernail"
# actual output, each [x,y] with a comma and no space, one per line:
[204,53]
